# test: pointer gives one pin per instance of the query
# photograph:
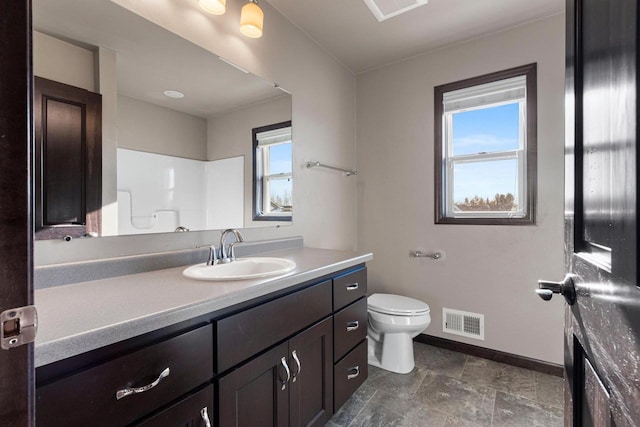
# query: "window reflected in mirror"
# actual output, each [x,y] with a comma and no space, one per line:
[272,172]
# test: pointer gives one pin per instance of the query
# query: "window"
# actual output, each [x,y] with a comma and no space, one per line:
[272,177]
[485,149]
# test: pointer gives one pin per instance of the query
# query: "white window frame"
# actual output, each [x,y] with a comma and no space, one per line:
[267,178]
[264,139]
[520,155]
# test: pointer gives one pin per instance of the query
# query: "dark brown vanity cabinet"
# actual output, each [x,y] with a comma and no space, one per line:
[289,385]
[194,411]
[350,333]
[336,345]
[127,388]
[284,360]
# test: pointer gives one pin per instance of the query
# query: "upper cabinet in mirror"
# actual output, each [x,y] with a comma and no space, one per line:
[171,144]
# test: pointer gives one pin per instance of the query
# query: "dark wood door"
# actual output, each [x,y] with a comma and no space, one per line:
[68,160]
[311,362]
[16,365]
[257,393]
[602,326]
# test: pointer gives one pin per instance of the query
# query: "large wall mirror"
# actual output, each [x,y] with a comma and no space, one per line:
[172,147]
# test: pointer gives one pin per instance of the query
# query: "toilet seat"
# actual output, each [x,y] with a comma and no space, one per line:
[397,305]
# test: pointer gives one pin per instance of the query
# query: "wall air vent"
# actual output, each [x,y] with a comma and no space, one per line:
[385,9]
[463,323]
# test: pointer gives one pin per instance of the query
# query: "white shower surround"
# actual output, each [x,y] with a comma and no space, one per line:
[174,191]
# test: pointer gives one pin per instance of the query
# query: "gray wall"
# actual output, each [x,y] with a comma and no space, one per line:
[146,127]
[63,62]
[487,269]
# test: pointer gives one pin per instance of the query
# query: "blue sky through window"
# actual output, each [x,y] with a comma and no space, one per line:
[281,159]
[486,130]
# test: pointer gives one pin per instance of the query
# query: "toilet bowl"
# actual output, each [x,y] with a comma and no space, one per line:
[394,321]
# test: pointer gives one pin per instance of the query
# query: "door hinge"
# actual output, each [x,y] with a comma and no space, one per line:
[18,326]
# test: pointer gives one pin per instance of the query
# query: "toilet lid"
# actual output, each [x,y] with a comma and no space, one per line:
[396,304]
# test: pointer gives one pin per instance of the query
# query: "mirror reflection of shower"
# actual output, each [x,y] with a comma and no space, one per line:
[174,192]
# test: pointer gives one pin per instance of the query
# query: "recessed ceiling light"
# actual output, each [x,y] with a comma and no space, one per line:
[174,94]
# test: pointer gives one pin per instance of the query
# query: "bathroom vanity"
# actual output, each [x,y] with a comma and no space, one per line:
[286,351]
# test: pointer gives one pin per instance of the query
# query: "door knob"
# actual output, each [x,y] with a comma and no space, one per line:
[566,288]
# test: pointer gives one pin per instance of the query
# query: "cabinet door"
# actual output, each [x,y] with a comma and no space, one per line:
[68,157]
[311,362]
[257,393]
[194,411]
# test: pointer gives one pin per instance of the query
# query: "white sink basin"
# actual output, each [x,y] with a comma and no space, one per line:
[240,269]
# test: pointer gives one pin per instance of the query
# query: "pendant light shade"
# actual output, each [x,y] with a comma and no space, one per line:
[214,7]
[251,20]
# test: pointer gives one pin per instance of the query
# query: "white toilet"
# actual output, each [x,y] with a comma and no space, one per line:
[393,322]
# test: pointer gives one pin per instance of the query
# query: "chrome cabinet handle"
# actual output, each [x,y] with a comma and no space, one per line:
[295,357]
[205,417]
[352,286]
[135,390]
[352,326]
[355,371]
[283,361]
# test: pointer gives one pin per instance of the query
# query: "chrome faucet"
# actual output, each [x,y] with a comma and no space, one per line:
[227,252]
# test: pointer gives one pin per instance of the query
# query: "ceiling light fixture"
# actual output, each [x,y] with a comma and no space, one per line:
[214,7]
[251,17]
[174,94]
[251,20]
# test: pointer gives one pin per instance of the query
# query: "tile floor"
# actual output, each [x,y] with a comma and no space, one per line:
[452,389]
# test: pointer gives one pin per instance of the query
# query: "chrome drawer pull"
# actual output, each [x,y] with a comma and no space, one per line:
[283,361]
[135,390]
[355,371]
[352,286]
[205,417]
[295,357]
[352,326]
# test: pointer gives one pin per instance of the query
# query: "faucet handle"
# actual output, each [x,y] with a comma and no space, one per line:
[213,254]
[232,249]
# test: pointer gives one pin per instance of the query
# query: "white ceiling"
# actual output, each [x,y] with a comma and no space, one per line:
[350,32]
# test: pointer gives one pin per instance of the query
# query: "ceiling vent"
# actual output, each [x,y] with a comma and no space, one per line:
[385,9]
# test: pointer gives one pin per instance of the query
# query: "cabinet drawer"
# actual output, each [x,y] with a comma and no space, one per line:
[242,335]
[89,398]
[187,412]
[349,327]
[350,373]
[348,288]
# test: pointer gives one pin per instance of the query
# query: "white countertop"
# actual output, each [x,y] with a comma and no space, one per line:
[76,318]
